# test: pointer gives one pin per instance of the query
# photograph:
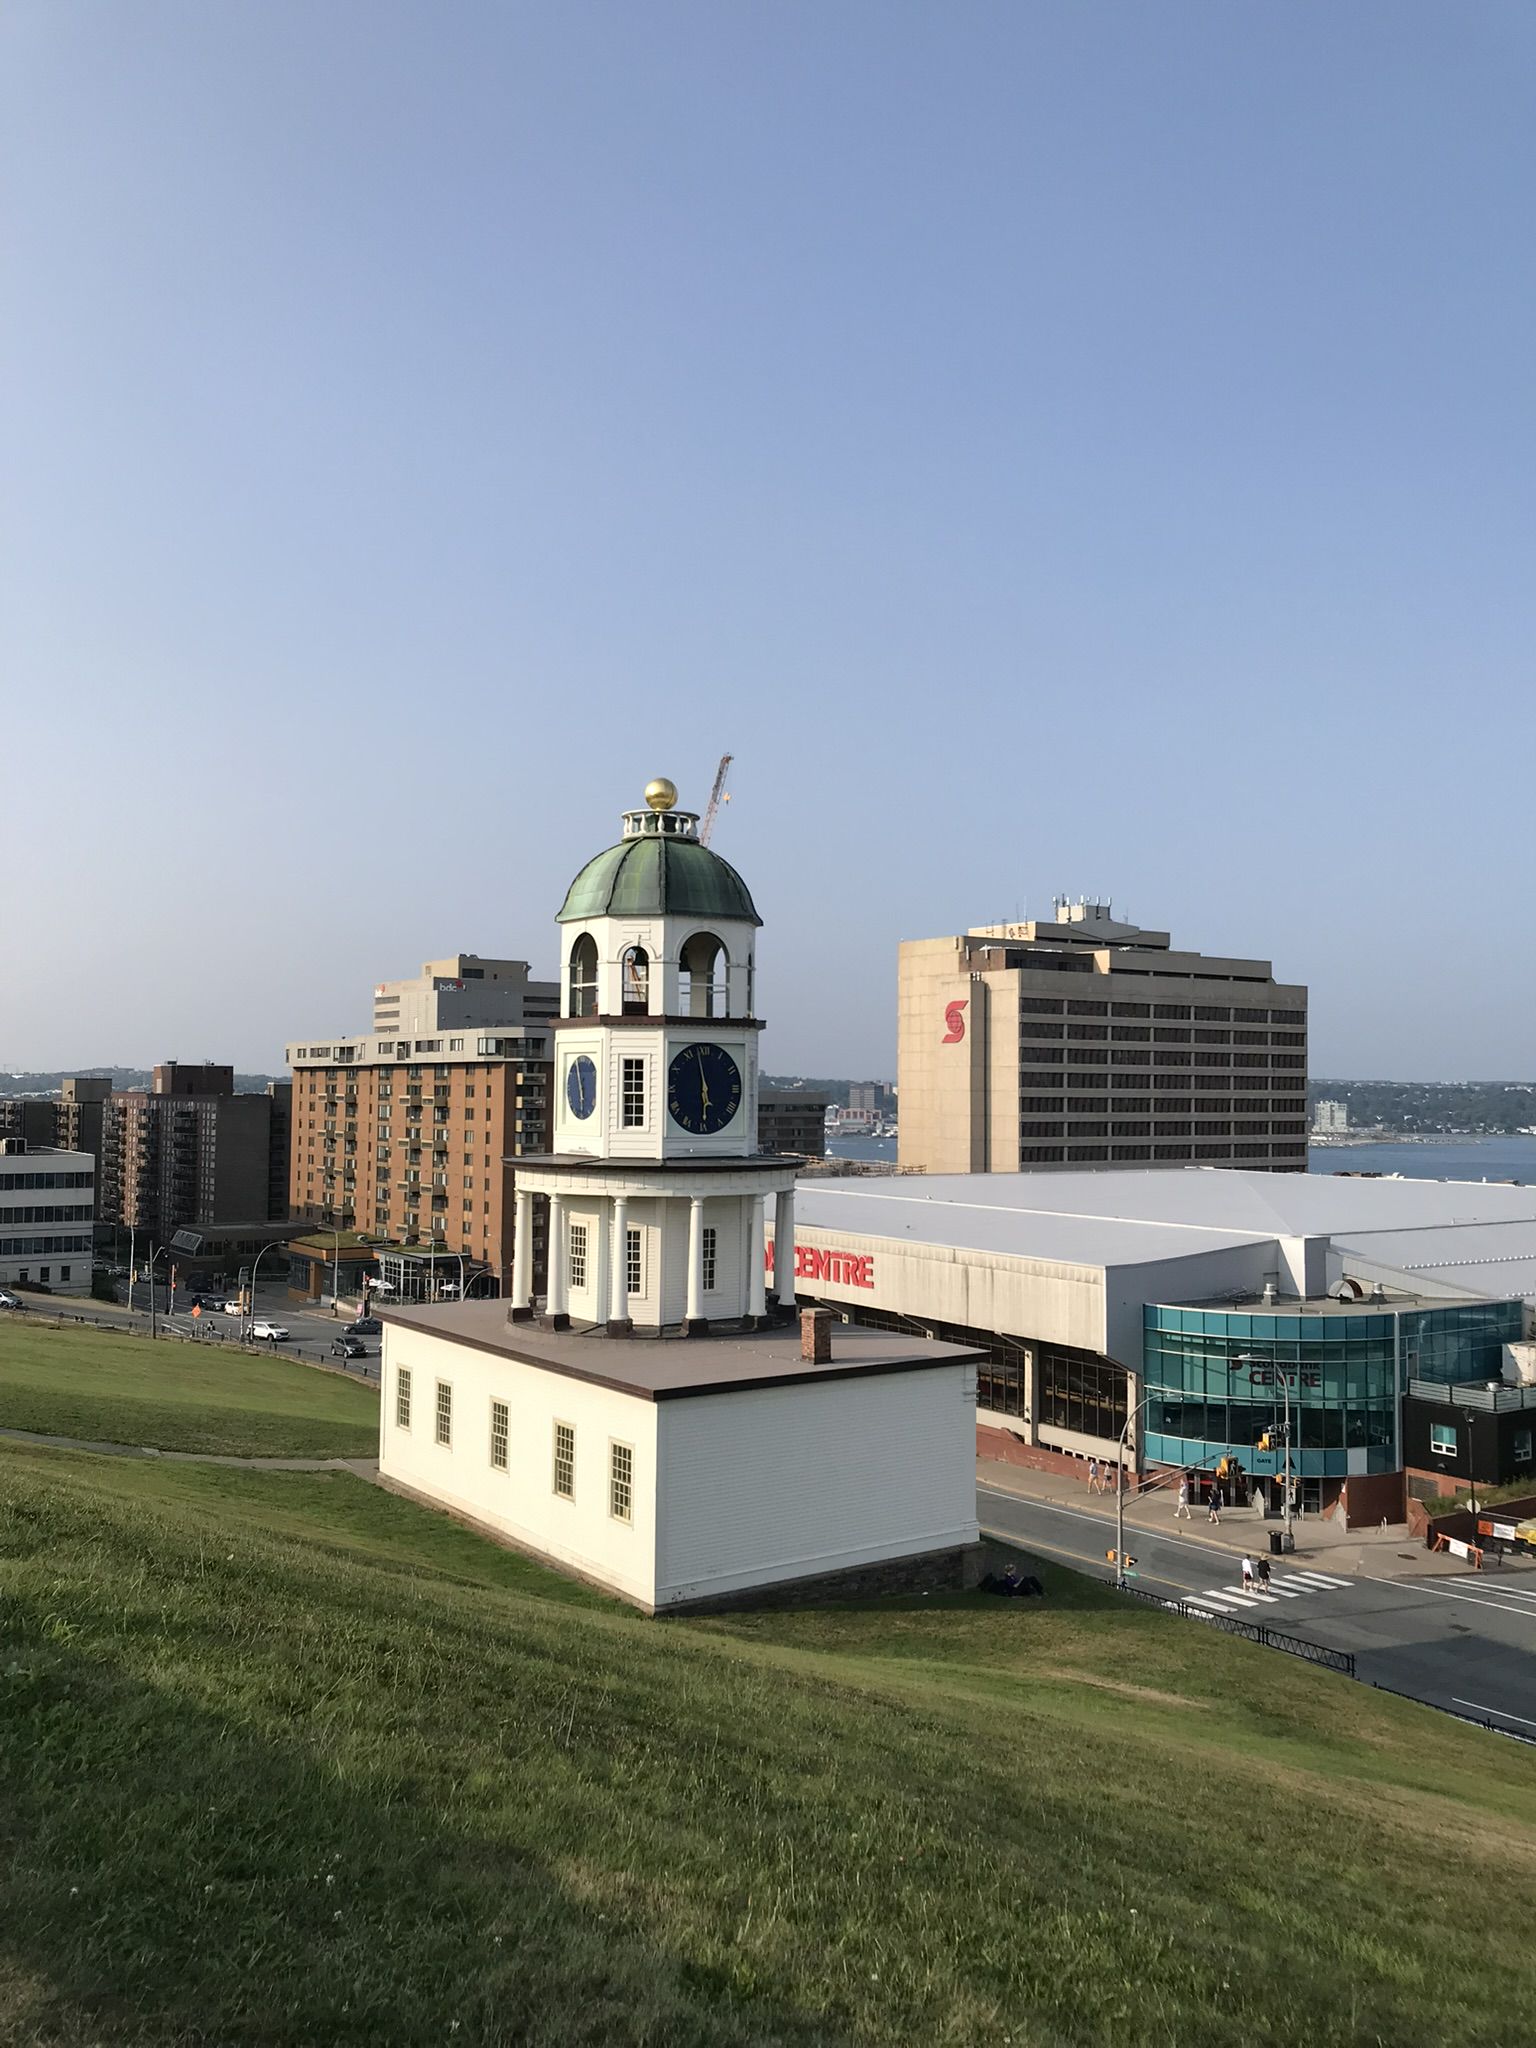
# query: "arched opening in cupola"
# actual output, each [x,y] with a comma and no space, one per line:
[636,981]
[703,985]
[582,1000]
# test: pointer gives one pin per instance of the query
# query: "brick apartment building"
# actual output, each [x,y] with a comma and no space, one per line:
[404,1135]
[189,1153]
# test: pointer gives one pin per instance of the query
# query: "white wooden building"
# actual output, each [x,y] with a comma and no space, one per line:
[691,1471]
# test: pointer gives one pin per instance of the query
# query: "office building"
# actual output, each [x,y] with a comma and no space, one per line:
[792,1120]
[47,1209]
[1330,1120]
[189,1153]
[402,1137]
[1087,1041]
[460,992]
[1188,1308]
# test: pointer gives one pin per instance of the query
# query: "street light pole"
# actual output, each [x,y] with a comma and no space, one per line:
[250,1306]
[1247,1361]
[1125,1434]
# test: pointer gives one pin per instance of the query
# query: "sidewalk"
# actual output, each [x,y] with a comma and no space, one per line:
[1380,1554]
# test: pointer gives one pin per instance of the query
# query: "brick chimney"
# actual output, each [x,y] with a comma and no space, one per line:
[816,1336]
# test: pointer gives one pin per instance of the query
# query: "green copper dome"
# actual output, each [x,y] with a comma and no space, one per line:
[649,875]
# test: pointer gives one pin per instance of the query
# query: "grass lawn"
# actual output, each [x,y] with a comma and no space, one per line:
[286,1759]
[107,1388]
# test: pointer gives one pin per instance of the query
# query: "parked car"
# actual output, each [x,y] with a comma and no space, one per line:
[349,1347]
[269,1333]
[365,1326]
[10,1300]
[233,1308]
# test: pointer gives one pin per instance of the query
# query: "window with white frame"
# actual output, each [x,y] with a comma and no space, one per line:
[632,1095]
[578,1254]
[634,1262]
[499,1435]
[1521,1447]
[1442,1440]
[621,1482]
[565,1461]
[403,1397]
[444,1413]
[710,1258]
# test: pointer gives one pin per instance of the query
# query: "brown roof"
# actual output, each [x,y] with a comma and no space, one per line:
[666,1369]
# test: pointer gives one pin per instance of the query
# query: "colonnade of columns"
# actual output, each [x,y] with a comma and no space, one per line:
[610,1264]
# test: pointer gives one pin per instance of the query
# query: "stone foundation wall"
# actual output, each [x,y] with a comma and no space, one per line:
[930,1571]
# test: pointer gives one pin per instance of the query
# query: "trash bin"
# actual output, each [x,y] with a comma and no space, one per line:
[1276,1542]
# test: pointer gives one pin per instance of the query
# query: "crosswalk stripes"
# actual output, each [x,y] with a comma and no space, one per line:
[1291,1586]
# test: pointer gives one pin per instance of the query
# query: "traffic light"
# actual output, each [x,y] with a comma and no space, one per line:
[1266,1442]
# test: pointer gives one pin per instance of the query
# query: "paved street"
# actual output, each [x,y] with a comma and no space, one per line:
[1465,1640]
[313,1330]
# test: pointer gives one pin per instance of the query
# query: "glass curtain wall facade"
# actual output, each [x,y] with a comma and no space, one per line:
[1213,1380]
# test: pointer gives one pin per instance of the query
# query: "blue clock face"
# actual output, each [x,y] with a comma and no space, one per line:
[581,1087]
[703,1089]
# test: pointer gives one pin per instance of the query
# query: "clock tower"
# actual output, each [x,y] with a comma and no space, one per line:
[656,1185]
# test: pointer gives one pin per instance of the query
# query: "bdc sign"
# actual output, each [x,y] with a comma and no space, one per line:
[837,1269]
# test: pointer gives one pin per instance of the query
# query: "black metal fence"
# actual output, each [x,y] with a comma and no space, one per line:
[1251,1631]
[1494,1723]
[218,1337]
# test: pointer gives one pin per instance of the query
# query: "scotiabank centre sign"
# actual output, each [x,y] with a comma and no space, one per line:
[837,1269]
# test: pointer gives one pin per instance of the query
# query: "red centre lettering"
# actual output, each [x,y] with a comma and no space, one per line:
[817,1262]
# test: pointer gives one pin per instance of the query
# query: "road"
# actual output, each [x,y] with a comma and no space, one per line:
[313,1330]
[1467,1643]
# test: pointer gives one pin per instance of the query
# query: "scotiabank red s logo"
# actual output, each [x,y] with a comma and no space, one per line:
[954,1017]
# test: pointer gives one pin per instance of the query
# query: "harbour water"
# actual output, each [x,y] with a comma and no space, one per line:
[1440,1159]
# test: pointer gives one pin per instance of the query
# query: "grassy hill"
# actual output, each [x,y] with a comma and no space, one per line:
[110,1387]
[286,1759]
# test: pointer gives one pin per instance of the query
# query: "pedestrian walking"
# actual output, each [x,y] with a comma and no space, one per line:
[1181,1512]
[1263,1574]
[1214,1513]
[1093,1474]
[1247,1574]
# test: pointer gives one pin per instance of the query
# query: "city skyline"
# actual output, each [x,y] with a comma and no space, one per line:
[1094,457]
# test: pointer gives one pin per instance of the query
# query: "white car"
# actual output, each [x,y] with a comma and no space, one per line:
[233,1308]
[271,1333]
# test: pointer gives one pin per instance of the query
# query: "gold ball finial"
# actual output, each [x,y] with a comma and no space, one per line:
[661,795]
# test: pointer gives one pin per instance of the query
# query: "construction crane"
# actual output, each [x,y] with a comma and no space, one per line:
[717,797]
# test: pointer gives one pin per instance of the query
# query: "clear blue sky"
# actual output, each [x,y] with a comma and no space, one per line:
[1054,447]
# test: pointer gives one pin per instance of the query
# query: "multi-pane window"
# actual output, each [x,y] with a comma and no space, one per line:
[634,1264]
[621,1482]
[403,1398]
[711,1247]
[565,1461]
[1442,1440]
[632,1094]
[444,1412]
[499,1434]
[578,1254]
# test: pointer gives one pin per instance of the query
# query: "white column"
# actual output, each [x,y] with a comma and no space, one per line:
[618,1288]
[695,1258]
[755,1282]
[784,1247]
[600,1268]
[522,1250]
[555,1296]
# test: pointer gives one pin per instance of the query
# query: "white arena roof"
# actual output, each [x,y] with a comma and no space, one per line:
[1472,1236]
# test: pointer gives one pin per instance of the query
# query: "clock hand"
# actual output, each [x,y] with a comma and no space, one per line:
[703,1080]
